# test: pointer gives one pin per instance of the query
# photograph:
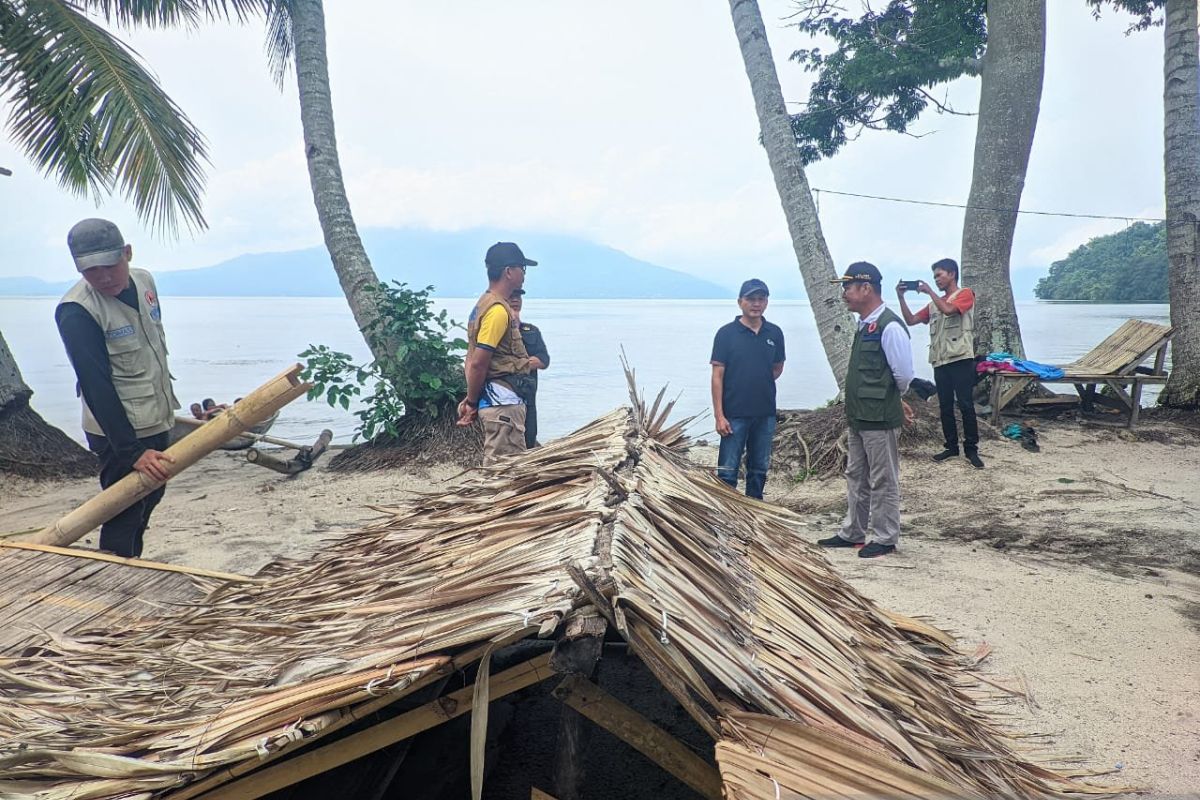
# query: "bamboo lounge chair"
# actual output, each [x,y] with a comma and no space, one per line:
[1116,362]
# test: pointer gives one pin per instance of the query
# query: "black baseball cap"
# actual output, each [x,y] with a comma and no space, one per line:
[95,243]
[507,254]
[752,286]
[861,272]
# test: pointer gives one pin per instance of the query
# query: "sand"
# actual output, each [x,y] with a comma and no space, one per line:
[1079,565]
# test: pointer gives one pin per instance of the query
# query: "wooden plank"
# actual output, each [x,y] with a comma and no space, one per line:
[640,733]
[1136,407]
[334,754]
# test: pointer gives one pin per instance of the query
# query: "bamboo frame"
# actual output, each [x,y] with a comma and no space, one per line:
[356,746]
[96,555]
[640,733]
[254,408]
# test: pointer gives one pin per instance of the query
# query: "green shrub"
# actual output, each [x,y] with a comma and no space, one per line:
[423,375]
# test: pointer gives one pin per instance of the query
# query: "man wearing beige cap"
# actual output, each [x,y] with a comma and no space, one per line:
[111,324]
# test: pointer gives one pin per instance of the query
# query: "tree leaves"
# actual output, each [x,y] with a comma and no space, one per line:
[883,67]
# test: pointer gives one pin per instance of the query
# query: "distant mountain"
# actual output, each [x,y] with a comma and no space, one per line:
[568,267]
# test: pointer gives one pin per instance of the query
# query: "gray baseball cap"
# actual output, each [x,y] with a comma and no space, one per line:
[95,243]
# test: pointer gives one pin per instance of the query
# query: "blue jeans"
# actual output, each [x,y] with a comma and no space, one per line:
[752,436]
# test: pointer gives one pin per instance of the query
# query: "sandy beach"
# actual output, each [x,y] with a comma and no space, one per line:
[1079,565]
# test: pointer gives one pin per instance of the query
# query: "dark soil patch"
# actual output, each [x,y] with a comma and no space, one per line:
[30,447]
[421,442]
[1191,612]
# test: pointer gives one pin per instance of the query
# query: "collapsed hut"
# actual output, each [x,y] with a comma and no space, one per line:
[803,687]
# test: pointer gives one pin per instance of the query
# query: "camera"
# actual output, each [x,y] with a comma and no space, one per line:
[911,286]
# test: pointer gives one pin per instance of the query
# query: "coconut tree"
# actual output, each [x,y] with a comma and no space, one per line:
[834,324]
[87,113]
[1181,166]
[296,38]
[1181,116]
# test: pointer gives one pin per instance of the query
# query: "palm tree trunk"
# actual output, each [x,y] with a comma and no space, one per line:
[1181,156]
[30,446]
[834,323]
[346,250]
[1009,101]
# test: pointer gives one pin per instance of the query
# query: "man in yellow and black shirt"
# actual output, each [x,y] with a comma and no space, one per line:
[495,353]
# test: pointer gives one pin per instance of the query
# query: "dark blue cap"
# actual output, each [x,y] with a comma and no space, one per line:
[507,254]
[753,285]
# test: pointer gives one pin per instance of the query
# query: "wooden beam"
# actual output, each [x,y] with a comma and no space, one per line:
[334,754]
[577,656]
[537,794]
[640,733]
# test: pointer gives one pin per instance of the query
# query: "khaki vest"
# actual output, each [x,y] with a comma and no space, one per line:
[137,352]
[951,337]
[510,356]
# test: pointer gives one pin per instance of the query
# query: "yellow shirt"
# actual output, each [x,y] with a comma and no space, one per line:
[492,327]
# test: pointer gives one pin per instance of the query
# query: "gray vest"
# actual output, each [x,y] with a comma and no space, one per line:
[951,337]
[137,353]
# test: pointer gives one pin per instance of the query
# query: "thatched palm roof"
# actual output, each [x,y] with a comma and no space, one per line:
[808,688]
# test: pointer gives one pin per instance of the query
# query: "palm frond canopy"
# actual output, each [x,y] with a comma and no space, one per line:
[88,112]
[808,688]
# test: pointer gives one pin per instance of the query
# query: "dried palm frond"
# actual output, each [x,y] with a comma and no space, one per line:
[740,620]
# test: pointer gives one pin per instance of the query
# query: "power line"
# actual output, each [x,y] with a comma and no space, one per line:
[985,208]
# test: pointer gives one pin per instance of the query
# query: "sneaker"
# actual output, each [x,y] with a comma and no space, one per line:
[875,550]
[975,460]
[946,454]
[838,541]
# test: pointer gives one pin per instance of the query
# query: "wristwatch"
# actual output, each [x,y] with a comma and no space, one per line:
[471,403]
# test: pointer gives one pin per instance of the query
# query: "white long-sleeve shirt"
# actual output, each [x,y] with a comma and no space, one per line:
[897,348]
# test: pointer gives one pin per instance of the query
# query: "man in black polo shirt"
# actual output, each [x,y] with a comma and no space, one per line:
[747,359]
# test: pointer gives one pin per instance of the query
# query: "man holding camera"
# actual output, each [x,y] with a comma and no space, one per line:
[951,320]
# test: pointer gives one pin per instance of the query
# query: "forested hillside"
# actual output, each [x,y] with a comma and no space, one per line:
[1125,267]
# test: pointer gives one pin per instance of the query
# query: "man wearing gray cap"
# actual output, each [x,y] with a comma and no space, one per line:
[111,324]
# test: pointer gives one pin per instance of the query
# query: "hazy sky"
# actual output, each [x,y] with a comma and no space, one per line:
[629,123]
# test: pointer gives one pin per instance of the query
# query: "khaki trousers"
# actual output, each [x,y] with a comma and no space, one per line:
[872,486]
[503,432]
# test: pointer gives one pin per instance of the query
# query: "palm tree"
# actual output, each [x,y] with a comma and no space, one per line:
[1010,97]
[87,113]
[834,324]
[1181,156]
[296,34]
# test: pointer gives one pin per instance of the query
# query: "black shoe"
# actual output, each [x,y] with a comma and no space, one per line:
[875,550]
[976,462]
[838,541]
[945,455]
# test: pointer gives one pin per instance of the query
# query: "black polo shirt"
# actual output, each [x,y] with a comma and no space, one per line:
[749,359]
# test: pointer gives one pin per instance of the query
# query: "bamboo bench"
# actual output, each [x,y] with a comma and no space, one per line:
[1116,362]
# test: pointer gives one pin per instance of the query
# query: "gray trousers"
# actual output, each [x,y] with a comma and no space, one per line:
[872,487]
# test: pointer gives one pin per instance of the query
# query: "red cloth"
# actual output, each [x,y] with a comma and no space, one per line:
[963,301]
[995,366]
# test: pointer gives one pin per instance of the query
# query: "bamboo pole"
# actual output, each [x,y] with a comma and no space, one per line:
[643,735]
[254,408]
[430,715]
[192,422]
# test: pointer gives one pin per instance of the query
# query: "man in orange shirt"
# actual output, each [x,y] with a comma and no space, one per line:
[951,320]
